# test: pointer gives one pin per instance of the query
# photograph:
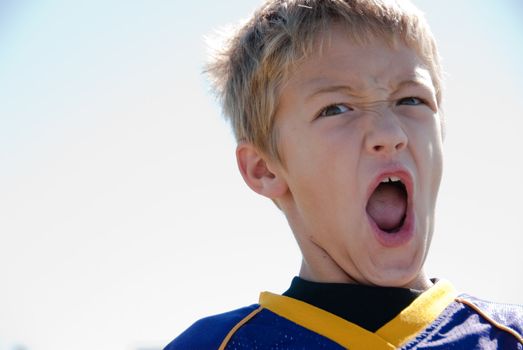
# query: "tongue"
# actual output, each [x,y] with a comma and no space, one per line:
[387,206]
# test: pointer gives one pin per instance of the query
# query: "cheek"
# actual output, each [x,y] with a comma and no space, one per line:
[321,181]
[436,152]
[427,148]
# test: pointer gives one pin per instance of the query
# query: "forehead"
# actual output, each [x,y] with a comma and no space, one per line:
[336,59]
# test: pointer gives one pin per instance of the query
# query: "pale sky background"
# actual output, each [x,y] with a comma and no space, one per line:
[123,218]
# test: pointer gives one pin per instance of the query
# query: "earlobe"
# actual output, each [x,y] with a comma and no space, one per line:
[257,173]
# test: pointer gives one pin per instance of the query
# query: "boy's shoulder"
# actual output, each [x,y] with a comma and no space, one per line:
[466,321]
[209,332]
[499,314]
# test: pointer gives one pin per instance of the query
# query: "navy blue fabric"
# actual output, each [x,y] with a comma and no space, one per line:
[209,332]
[509,315]
[458,327]
[267,330]
[461,327]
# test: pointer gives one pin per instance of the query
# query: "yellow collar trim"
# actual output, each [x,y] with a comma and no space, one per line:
[419,315]
[413,319]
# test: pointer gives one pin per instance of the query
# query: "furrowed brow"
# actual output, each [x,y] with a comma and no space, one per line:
[414,84]
[347,90]
[416,81]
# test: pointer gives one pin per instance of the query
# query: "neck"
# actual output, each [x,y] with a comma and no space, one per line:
[335,274]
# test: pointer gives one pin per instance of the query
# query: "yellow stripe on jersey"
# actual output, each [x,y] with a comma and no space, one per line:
[237,326]
[413,319]
[419,314]
[345,333]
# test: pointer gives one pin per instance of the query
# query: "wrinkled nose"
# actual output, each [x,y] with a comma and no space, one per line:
[385,136]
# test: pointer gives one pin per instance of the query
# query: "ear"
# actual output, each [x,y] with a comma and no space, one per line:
[256,172]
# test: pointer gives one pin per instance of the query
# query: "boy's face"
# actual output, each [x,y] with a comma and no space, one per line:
[348,120]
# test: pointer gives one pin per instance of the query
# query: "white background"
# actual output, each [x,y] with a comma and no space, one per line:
[122,216]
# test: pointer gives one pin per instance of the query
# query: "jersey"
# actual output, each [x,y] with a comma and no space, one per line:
[437,319]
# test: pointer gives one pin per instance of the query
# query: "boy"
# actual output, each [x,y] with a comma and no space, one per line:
[336,108]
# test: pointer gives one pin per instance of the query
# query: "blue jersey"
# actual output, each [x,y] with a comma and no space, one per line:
[437,319]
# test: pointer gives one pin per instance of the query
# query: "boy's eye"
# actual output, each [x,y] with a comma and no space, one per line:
[334,109]
[410,101]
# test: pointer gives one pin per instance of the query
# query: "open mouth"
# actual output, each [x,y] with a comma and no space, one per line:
[387,205]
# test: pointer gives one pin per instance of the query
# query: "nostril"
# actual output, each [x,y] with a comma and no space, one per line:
[381,148]
[400,146]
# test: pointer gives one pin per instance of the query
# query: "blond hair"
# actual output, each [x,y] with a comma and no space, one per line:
[257,58]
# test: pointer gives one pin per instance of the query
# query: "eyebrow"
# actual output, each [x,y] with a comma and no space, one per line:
[415,80]
[348,90]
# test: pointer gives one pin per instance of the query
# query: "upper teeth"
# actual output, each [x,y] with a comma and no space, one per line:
[390,179]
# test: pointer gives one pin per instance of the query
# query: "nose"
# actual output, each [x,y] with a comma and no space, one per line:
[385,136]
